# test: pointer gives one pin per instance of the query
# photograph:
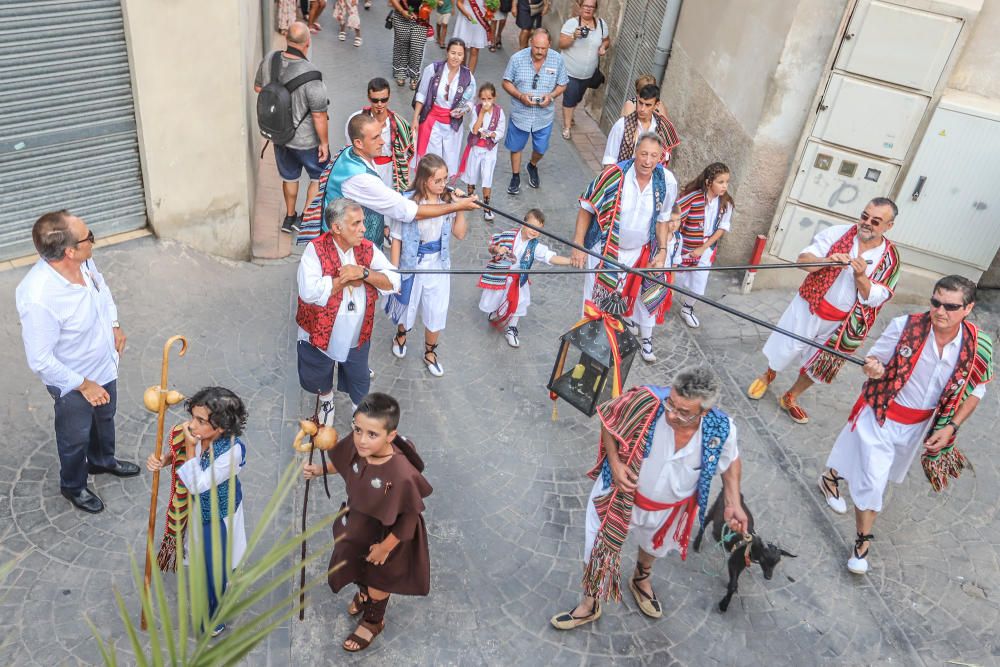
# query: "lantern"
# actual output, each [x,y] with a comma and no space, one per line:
[589,381]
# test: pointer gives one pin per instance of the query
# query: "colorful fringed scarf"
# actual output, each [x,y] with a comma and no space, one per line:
[848,337]
[630,420]
[494,281]
[664,129]
[177,506]
[346,164]
[401,144]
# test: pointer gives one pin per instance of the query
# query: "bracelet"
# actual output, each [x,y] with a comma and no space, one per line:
[955,426]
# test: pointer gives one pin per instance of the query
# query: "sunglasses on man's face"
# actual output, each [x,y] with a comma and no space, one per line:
[378,100]
[874,222]
[88,239]
[950,307]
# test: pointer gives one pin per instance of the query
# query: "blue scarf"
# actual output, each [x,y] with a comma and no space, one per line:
[219,448]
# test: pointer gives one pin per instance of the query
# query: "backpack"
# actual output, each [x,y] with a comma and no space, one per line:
[274,104]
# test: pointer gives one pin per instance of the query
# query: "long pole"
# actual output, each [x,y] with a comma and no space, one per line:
[161,415]
[570,272]
[305,509]
[682,290]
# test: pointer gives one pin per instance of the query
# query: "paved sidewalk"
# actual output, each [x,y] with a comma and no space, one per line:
[506,517]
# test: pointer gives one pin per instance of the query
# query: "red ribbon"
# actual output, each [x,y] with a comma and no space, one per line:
[683,513]
[591,313]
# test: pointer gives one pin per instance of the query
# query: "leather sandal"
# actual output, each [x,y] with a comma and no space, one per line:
[399,344]
[648,604]
[794,410]
[357,604]
[374,628]
[567,621]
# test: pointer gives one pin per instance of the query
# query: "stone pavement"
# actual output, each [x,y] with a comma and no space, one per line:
[506,517]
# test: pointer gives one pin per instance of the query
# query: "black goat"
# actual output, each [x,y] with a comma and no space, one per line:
[741,553]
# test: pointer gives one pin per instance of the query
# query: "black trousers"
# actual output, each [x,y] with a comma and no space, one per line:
[85,434]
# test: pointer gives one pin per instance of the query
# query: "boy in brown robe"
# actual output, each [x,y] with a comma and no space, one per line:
[380,542]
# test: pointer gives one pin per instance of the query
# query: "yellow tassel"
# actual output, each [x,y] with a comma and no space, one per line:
[555,410]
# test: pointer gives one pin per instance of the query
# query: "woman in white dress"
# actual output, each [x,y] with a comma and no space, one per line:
[446,93]
[471,25]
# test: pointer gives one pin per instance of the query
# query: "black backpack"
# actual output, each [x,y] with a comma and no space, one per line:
[274,104]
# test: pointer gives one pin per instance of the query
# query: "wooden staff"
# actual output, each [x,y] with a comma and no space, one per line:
[161,414]
[310,431]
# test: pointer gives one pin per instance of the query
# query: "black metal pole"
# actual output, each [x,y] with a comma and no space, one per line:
[663,283]
[569,272]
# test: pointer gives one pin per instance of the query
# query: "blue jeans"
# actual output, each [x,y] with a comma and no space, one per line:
[85,434]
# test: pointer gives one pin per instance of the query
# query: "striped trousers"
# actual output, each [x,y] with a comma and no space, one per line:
[409,38]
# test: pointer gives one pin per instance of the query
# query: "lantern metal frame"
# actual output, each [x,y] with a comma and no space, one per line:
[586,383]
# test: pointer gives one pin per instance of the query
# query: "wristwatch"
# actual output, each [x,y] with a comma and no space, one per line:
[954,426]
[115,325]
[364,274]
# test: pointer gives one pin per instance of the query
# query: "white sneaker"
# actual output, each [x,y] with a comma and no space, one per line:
[327,410]
[834,500]
[646,350]
[687,314]
[511,336]
[371,374]
[488,215]
[856,563]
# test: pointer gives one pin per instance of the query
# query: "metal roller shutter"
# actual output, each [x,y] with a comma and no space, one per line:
[635,48]
[67,122]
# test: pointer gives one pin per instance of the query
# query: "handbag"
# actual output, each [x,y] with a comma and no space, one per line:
[596,79]
[388,19]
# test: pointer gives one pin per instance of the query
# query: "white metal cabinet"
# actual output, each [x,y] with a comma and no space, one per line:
[949,203]
[839,180]
[798,226]
[869,117]
[880,42]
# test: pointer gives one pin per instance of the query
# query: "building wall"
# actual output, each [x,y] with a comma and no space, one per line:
[192,80]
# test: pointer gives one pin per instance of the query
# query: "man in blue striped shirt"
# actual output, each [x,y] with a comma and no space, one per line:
[534,78]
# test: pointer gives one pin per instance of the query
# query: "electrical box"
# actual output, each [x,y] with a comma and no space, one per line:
[797,227]
[949,202]
[869,117]
[841,181]
[900,45]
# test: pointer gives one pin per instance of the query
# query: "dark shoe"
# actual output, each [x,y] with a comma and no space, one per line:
[120,469]
[86,500]
[533,176]
[290,224]
[515,184]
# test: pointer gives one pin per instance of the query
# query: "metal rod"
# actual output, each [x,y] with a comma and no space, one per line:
[671,286]
[569,272]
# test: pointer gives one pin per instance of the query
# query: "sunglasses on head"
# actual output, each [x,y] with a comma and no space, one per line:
[950,307]
[379,100]
[874,222]
[534,82]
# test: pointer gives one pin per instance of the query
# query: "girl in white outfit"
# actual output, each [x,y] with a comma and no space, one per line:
[479,160]
[447,89]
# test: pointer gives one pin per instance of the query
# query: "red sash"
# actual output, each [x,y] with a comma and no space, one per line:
[508,308]
[683,513]
[437,115]
[633,283]
[474,6]
[825,311]
[894,411]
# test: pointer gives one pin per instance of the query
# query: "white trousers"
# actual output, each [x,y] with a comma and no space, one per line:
[479,169]
[642,527]
[447,144]
[783,352]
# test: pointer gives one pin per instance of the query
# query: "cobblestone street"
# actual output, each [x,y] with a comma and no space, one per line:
[506,519]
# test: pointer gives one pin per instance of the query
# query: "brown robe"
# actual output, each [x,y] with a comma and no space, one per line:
[381,499]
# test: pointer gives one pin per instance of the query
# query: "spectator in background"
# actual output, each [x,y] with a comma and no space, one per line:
[644,80]
[582,42]
[408,39]
[528,17]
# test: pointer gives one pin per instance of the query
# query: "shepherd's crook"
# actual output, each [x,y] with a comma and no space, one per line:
[653,279]
[160,417]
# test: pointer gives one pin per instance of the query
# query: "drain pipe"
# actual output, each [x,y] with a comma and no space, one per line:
[663,45]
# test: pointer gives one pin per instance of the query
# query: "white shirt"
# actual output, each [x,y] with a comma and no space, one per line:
[369,191]
[200,481]
[315,288]
[542,251]
[931,372]
[445,93]
[637,209]
[384,170]
[67,327]
[843,291]
[580,58]
[616,135]
[500,130]
[669,476]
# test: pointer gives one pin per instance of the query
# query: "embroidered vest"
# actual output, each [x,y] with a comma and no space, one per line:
[818,283]
[475,139]
[464,79]
[973,367]
[494,278]
[346,165]
[219,448]
[318,321]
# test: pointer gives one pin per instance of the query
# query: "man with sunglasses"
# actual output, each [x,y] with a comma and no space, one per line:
[69,323]
[660,449]
[927,374]
[393,165]
[835,306]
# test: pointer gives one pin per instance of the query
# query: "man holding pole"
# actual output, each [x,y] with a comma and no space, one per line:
[836,305]
[625,215]
[69,323]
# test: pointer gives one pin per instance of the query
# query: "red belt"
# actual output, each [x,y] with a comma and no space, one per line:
[894,411]
[825,311]
[683,512]
[437,114]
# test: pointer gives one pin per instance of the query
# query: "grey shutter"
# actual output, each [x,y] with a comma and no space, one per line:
[67,122]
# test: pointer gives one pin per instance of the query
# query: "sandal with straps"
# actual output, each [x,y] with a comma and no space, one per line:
[357,604]
[399,344]
[828,486]
[373,609]
[432,365]
[648,604]
[858,563]
[567,621]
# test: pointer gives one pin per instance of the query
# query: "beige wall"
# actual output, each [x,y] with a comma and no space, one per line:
[192,64]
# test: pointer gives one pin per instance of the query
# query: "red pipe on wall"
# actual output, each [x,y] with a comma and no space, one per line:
[758,250]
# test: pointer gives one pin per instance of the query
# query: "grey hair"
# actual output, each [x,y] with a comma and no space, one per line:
[338,208]
[885,201]
[650,136]
[699,382]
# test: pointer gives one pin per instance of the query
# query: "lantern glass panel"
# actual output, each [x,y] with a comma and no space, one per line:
[587,383]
